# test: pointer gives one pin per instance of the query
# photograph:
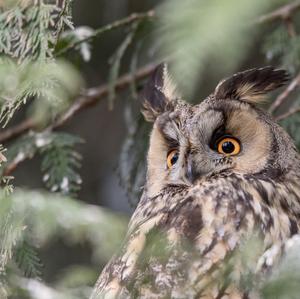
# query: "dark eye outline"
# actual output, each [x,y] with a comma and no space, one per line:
[217,135]
[236,142]
[174,151]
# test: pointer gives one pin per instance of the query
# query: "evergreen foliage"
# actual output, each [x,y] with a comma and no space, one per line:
[60,164]
[214,21]
[30,29]
[31,219]
[28,260]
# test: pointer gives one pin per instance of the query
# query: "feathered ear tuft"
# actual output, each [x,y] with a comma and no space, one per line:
[158,94]
[252,85]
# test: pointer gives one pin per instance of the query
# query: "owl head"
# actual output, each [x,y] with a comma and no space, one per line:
[225,133]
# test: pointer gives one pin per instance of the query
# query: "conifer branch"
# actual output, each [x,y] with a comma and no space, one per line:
[88,98]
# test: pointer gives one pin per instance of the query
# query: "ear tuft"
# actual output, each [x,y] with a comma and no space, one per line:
[252,85]
[158,93]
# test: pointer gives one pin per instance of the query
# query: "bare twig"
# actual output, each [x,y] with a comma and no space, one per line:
[284,95]
[287,114]
[17,130]
[288,22]
[10,167]
[91,96]
[284,12]
[88,98]
[119,23]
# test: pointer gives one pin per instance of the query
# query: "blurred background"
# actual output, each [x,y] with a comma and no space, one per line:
[72,230]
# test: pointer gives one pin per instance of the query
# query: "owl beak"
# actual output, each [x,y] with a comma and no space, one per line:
[191,174]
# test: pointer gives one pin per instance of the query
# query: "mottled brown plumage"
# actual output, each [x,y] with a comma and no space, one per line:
[202,207]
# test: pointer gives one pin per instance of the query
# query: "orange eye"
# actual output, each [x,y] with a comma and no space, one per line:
[229,146]
[172,157]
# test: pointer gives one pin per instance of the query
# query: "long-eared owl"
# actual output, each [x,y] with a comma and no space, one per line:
[223,182]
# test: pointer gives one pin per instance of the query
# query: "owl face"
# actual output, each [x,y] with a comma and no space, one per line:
[224,133]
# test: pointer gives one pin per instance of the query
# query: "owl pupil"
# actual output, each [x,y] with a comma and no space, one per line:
[228,147]
[174,158]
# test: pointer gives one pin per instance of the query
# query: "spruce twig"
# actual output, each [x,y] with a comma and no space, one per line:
[117,24]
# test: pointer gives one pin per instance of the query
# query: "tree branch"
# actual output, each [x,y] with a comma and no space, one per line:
[289,113]
[88,98]
[283,13]
[17,130]
[284,95]
[91,96]
[288,22]
[119,23]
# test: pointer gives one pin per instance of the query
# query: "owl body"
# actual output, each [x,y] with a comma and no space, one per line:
[222,185]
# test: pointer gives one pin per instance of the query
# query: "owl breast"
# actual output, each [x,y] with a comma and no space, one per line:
[186,242]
